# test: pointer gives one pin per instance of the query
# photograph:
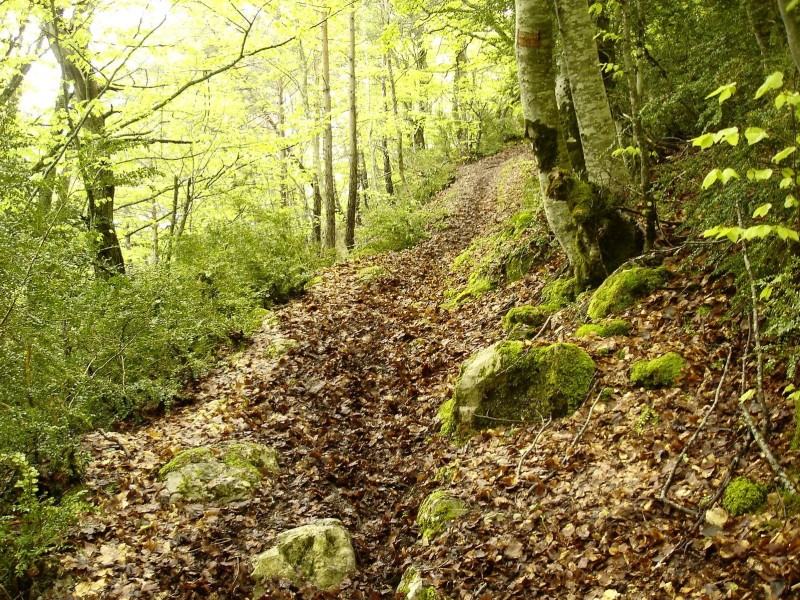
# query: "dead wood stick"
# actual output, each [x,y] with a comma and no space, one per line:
[662,496]
[765,449]
[115,441]
[578,435]
[533,444]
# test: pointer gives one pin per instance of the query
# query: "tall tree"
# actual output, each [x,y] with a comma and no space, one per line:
[790,14]
[352,193]
[327,144]
[593,235]
[597,129]
[68,43]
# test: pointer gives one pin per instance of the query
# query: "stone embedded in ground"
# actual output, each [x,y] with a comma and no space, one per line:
[659,372]
[280,346]
[623,289]
[412,587]
[511,382]
[222,473]
[436,511]
[319,554]
[523,322]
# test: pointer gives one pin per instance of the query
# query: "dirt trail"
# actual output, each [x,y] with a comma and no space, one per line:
[351,409]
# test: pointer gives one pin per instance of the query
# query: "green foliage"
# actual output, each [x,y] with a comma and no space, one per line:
[647,418]
[743,496]
[659,372]
[30,526]
[392,227]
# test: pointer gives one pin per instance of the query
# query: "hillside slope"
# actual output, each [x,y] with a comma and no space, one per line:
[568,510]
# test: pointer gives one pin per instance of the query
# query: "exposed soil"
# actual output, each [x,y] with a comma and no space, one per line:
[352,410]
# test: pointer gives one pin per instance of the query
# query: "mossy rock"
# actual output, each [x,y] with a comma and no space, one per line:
[560,292]
[511,382]
[436,511]
[744,496]
[477,285]
[319,554]
[622,290]
[606,328]
[523,322]
[222,473]
[659,372]
[412,587]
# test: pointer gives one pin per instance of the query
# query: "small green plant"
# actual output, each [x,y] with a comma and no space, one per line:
[647,418]
[32,526]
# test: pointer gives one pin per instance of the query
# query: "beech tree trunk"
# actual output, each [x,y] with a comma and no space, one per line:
[327,146]
[791,21]
[578,213]
[597,129]
[352,193]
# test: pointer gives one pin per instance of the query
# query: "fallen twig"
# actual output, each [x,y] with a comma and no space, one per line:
[544,426]
[578,435]
[765,449]
[662,496]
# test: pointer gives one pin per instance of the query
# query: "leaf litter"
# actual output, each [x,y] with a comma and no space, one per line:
[352,411]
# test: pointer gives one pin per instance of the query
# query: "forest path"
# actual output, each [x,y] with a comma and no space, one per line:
[351,409]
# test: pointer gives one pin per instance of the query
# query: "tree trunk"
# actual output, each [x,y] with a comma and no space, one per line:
[364,178]
[284,151]
[387,159]
[761,16]
[95,169]
[569,121]
[352,193]
[578,215]
[633,71]
[791,21]
[401,167]
[327,148]
[312,114]
[597,129]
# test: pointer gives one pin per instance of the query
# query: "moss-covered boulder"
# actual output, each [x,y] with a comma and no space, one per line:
[511,381]
[412,587]
[621,290]
[436,511]
[280,346]
[222,473]
[744,496]
[659,372]
[560,292]
[606,328]
[524,322]
[318,554]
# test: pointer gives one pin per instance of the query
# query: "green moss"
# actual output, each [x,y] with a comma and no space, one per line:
[436,511]
[313,281]
[447,417]
[511,382]
[280,346]
[660,372]
[186,457]
[560,292]
[522,322]
[743,496]
[477,285]
[623,289]
[607,328]
[647,418]
[251,458]
[446,474]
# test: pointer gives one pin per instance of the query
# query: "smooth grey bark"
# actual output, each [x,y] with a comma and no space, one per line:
[761,16]
[791,21]
[352,192]
[569,121]
[595,238]
[597,129]
[534,50]
[327,145]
